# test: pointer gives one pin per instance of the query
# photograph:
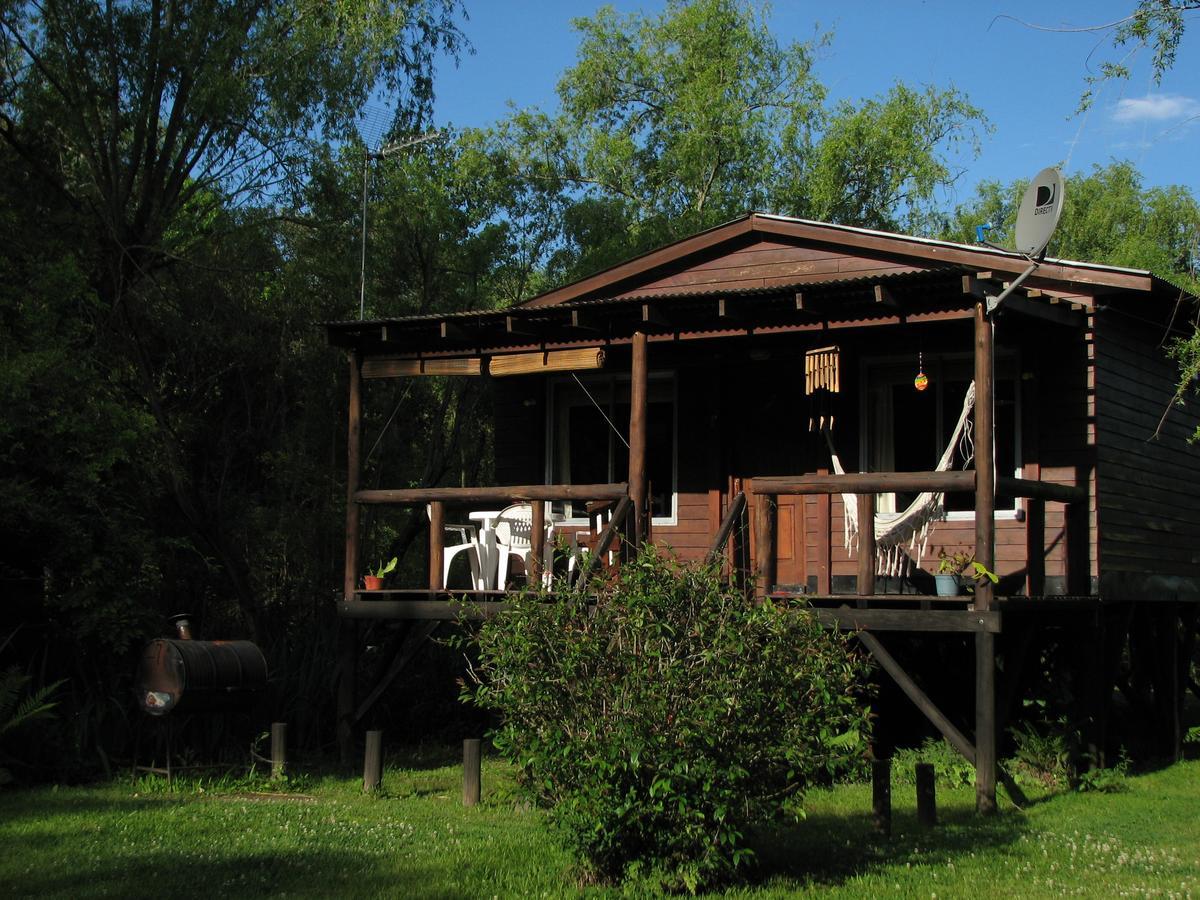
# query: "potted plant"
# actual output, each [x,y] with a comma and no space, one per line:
[948,579]
[374,581]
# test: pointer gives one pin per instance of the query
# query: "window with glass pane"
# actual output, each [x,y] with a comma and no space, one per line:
[585,448]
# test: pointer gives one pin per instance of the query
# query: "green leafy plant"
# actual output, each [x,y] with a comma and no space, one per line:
[1045,751]
[950,769]
[954,563]
[662,716]
[384,568]
[19,706]
[1108,780]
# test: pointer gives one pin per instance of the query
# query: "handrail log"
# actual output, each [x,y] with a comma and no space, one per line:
[495,495]
[864,483]
[890,482]
[1040,490]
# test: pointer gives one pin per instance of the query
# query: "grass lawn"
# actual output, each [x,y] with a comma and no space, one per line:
[324,838]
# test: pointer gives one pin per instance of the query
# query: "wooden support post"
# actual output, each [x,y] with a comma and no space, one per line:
[926,795]
[637,439]
[824,541]
[866,544]
[346,686]
[1035,547]
[537,544]
[353,472]
[278,749]
[881,796]
[764,540]
[373,762]
[985,553]
[437,544]
[1075,539]
[471,772]
[348,631]
[985,723]
[1167,633]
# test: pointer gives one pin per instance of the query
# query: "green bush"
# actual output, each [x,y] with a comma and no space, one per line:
[950,769]
[663,715]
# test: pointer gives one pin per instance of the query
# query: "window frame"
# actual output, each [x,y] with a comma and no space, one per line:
[616,383]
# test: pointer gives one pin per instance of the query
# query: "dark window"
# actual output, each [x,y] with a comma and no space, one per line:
[906,430]
[585,448]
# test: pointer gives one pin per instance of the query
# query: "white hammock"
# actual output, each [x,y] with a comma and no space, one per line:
[911,526]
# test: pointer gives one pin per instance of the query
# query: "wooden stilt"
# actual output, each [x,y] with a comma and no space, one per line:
[881,796]
[926,795]
[346,687]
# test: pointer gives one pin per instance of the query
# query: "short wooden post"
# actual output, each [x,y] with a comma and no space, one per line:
[537,543]
[926,795]
[764,540]
[373,762]
[278,748]
[437,544]
[866,544]
[470,771]
[881,796]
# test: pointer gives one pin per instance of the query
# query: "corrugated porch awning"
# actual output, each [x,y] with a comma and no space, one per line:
[878,299]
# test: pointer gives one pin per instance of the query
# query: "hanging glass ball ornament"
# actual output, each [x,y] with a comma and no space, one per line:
[921,381]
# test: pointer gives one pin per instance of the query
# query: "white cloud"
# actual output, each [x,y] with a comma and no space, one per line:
[1155,108]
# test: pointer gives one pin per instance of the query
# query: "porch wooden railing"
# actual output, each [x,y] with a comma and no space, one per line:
[536,495]
[866,485]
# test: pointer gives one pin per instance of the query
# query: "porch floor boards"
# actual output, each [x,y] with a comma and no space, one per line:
[882,612]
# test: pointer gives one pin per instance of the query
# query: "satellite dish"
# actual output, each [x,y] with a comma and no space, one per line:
[1040,210]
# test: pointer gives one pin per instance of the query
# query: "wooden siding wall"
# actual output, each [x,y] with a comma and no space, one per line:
[742,412]
[1149,487]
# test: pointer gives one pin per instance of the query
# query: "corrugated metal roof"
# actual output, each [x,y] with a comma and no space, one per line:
[935,273]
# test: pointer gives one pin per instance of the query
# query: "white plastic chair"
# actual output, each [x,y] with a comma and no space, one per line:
[469,544]
[513,530]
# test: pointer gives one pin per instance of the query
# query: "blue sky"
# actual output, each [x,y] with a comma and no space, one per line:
[1027,81]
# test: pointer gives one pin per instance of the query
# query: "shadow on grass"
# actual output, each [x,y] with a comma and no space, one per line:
[161,874]
[831,849]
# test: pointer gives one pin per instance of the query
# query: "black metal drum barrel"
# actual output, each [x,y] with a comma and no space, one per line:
[199,676]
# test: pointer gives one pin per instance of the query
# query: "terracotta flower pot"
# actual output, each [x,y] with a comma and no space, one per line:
[372,582]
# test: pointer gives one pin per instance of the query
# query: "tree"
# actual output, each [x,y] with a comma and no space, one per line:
[671,124]
[1109,217]
[1156,25]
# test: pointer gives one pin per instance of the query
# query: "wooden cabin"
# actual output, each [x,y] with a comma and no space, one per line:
[735,363]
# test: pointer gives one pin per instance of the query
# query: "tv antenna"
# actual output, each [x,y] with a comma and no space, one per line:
[1037,218]
[391,148]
